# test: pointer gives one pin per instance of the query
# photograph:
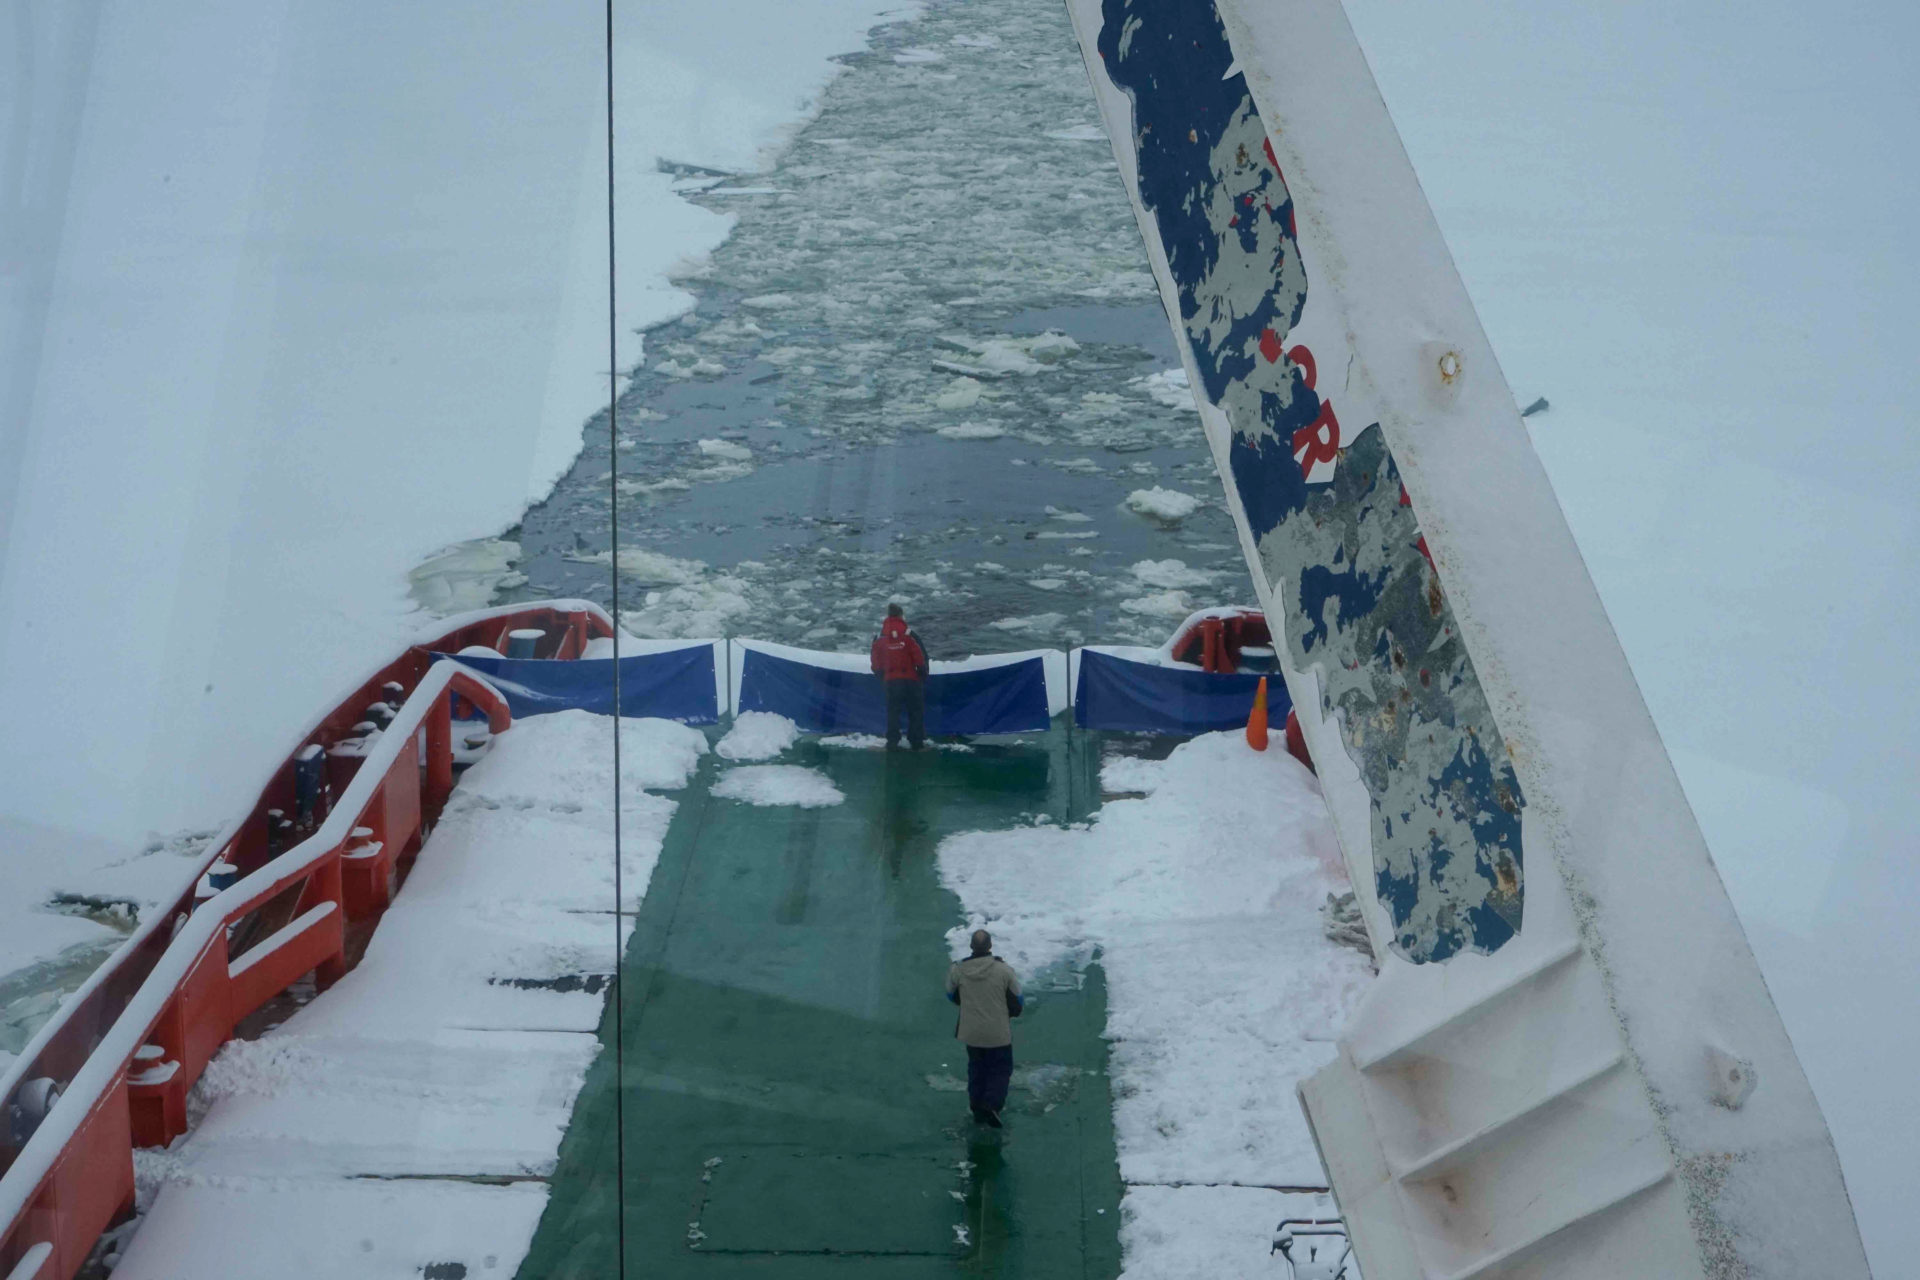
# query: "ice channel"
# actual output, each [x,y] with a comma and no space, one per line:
[928,366]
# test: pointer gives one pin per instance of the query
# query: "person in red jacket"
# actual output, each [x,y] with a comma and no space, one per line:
[900,661]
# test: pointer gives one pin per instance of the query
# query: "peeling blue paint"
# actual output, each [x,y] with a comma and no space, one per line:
[1351,595]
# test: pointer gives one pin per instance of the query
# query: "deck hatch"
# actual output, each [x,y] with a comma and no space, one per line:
[779,1202]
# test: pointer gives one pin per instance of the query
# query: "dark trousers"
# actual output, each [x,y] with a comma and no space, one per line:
[988,1072]
[907,698]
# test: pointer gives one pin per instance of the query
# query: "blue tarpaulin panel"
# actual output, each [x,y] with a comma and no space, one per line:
[1119,693]
[1004,699]
[674,685]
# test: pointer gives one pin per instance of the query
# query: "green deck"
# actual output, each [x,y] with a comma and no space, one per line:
[795,1100]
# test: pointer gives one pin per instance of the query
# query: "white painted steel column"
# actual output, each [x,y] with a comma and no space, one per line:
[1569,1065]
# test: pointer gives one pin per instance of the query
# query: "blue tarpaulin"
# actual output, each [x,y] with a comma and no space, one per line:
[677,684]
[1011,698]
[1119,693]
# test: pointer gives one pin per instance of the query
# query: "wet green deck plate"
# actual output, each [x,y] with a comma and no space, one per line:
[832,1203]
[783,1013]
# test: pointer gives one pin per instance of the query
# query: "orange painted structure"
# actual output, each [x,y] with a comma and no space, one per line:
[1214,640]
[132,1041]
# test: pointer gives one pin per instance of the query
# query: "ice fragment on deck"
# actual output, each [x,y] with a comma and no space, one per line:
[757,735]
[779,784]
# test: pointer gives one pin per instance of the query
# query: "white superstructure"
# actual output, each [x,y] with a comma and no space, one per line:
[1569,1065]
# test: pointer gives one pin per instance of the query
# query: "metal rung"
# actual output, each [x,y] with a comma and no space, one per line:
[1433,1160]
[1507,1255]
[1551,960]
[281,937]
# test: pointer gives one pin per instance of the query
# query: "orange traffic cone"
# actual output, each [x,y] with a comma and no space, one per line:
[1257,722]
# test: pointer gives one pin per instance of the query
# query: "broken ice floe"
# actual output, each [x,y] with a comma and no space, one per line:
[1169,387]
[648,568]
[1166,506]
[1161,604]
[973,431]
[699,368]
[465,576]
[1169,573]
[726,450]
[962,393]
[1043,622]
[1005,357]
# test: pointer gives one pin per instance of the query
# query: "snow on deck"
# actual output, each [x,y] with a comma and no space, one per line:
[343,1142]
[1202,901]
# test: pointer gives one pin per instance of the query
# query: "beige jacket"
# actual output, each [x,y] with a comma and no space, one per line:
[980,985]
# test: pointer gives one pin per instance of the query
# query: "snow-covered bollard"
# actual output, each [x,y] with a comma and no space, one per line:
[312,794]
[523,642]
[472,744]
[151,1066]
[156,1102]
[279,832]
[1258,659]
[30,1106]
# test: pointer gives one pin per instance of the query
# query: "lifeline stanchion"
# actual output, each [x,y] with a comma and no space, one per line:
[613,534]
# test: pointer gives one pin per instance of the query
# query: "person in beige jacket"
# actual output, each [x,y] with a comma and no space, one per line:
[988,993]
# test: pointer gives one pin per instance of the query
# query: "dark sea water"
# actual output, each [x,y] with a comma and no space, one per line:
[928,366]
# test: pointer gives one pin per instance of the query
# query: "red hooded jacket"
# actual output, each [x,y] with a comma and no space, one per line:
[897,654]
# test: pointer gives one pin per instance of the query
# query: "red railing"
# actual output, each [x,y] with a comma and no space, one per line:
[569,626]
[128,1045]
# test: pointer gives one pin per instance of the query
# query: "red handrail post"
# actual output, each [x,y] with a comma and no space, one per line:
[157,1088]
[92,1185]
[88,1183]
[327,886]
[439,752]
[1212,646]
[366,876]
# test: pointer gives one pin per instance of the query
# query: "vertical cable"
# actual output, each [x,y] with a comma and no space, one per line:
[613,530]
